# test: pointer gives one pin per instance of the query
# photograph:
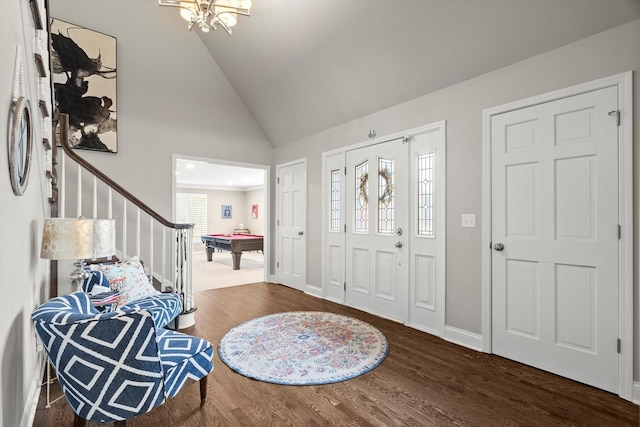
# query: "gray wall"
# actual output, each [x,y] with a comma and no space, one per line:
[461,105]
[23,276]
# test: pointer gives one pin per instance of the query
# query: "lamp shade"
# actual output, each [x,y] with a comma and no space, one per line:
[78,238]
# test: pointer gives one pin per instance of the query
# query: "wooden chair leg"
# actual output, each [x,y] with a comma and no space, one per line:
[78,421]
[203,391]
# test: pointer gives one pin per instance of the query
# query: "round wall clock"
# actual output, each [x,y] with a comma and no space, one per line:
[20,147]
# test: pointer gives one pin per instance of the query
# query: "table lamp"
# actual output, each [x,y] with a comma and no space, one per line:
[78,239]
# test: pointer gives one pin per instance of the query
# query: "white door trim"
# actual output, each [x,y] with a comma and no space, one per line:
[624,84]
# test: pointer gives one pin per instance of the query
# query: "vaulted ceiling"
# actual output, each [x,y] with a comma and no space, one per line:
[303,66]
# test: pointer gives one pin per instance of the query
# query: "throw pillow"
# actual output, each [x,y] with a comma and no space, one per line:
[129,278]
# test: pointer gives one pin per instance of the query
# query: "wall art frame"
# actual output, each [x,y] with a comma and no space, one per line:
[85,84]
[227,211]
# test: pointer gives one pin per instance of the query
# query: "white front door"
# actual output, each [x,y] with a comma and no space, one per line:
[377,221]
[291,224]
[555,237]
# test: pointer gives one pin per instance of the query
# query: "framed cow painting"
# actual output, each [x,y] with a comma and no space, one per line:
[84,75]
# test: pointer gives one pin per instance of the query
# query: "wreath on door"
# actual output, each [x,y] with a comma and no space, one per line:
[385,197]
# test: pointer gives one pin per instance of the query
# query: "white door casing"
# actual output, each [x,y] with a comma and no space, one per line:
[376,256]
[291,220]
[558,191]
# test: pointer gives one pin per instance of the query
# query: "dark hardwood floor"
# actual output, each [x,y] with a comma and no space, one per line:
[423,381]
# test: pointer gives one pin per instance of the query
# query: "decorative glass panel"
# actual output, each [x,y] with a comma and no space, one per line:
[386,196]
[361,178]
[425,194]
[335,200]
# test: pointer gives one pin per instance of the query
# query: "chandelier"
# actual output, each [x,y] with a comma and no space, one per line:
[207,14]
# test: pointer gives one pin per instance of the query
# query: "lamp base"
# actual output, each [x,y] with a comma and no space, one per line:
[78,275]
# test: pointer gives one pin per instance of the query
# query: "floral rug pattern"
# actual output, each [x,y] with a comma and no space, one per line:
[303,348]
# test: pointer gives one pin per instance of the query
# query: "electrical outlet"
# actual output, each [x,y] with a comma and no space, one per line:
[469,220]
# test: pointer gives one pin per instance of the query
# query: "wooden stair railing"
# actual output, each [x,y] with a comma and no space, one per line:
[180,278]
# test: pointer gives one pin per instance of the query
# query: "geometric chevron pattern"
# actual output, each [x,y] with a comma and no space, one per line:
[113,366]
[173,347]
[164,307]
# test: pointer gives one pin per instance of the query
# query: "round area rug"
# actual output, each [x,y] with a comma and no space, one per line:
[303,348]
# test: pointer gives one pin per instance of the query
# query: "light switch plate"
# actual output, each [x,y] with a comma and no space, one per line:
[469,220]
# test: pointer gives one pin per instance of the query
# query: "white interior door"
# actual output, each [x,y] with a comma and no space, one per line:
[555,232]
[291,224]
[377,217]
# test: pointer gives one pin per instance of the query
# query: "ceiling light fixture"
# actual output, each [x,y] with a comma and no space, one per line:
[209,14]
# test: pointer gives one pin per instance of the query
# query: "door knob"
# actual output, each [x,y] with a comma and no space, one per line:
[300,233]
[498,247]
[398,244]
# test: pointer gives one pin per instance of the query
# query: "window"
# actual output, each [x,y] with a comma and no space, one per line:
[425,194]
[361,178]
[192,208]
[386,197]
[335,200]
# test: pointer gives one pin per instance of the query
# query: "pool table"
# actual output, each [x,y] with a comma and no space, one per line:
[236,243]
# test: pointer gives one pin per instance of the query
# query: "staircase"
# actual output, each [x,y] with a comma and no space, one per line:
[80,189]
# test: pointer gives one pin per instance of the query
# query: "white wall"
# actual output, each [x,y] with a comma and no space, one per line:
[23,275]
[461,105]
[240,201]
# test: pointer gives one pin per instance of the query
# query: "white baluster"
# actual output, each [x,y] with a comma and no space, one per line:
[138,232]
[151,249]
[79,194]
[164,255]
[95,197]
[109,203]
[189,284]
[124,228]
[63,183]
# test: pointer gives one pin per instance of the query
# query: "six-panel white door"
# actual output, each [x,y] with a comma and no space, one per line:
[291,223]
[555,237]
[377,218]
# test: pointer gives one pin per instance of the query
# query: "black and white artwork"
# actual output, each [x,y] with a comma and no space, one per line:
[84,75]
[226,211]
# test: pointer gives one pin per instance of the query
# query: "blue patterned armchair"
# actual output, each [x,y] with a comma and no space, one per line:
[116,365]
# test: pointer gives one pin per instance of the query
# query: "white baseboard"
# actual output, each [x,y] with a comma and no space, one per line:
[463,338]
[636,393]
[332,299]
[31,404]
[315,291]
[422,328]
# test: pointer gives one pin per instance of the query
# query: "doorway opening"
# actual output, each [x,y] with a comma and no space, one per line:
[227,202]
